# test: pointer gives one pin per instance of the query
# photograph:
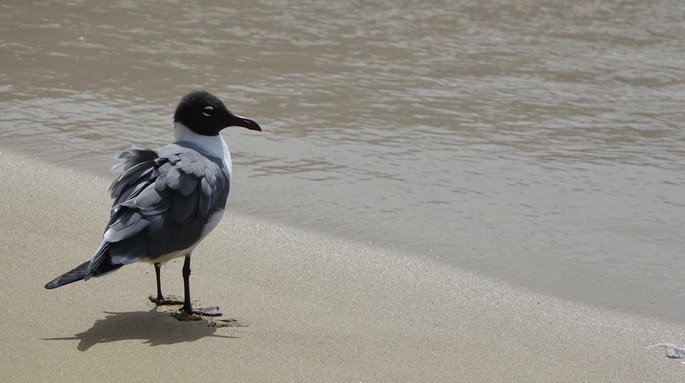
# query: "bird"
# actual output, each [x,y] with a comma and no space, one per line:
[166,201]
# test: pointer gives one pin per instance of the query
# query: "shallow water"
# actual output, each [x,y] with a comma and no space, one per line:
[540,143]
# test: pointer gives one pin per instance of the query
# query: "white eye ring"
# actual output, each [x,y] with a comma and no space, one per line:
[208,111]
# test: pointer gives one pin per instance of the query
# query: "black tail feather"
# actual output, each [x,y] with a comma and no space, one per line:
[76,274]
[79,273]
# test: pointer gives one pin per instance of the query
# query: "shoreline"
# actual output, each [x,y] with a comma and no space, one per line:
[314,308]
[538,266]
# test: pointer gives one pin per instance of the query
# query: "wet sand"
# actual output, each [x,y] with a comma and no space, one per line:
[304,307]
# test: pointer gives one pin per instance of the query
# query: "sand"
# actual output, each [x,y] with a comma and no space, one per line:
[298,306]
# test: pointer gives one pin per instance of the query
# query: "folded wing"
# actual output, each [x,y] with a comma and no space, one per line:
[162,203]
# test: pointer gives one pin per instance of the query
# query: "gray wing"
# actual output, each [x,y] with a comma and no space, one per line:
[162,202]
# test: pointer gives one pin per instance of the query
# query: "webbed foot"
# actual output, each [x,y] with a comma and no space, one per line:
[166,301]
[212,311]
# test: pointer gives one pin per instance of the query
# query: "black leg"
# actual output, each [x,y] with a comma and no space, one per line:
[172,300]
[187,307]
[160,297]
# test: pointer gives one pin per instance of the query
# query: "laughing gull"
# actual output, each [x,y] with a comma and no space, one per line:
[167,201]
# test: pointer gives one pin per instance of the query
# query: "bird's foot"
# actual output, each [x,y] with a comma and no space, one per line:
[212,311]
[171,300]
[166,301]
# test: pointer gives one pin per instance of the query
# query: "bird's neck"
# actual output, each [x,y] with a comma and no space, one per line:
[213,146]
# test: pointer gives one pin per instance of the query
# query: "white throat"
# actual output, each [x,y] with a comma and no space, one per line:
[213,146]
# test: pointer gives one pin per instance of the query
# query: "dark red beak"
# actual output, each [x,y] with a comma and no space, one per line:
[245,123]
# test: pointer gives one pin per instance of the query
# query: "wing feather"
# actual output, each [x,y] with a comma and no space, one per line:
[162,202]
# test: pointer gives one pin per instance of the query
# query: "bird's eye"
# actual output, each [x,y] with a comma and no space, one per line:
[207,112]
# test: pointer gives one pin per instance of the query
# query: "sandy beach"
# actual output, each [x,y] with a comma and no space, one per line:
[300,307]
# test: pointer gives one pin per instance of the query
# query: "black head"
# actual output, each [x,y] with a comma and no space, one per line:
[205,114]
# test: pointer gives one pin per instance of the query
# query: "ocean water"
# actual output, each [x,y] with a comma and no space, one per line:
[538,143]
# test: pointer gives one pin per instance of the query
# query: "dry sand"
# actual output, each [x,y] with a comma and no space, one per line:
[306,308]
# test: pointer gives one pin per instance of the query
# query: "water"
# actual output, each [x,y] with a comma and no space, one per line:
[540,143]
